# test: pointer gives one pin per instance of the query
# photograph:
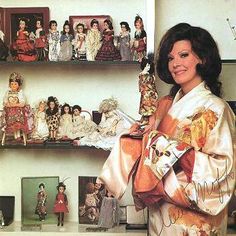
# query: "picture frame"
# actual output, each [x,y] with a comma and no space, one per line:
[9,20]
[89,193]
[31,201]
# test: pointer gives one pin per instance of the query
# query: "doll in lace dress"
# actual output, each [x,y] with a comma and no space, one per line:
[40,124]
[53,39]
[65,127]
[93,40]
[81,126]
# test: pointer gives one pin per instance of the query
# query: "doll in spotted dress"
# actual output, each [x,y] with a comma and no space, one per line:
[52,117]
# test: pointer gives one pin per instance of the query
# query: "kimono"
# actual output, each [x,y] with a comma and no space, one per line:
[183,168]
[53,39]
[65,53]
[41,208]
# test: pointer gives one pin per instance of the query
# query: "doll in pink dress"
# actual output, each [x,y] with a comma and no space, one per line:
[23,48]
[61,203]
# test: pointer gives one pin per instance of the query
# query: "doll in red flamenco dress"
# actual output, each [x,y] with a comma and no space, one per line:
[23,48]
[61,203]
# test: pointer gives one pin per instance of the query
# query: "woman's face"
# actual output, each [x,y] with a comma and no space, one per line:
[182,65]
[67,28]
[14,86]
[22,25]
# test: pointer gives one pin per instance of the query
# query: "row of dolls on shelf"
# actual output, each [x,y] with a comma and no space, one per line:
[91,45]
[50,121]
[97,206]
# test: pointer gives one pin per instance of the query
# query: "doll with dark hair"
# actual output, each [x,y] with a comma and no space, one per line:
[80,42]
[147,88]
[65,127]
[66,43]
[61,204]
[108,51]
[53,39]
[3,48]
[15,109]
[140,39]
[23,48]
[124,42]
[41,209]
[52,117]
[93,40]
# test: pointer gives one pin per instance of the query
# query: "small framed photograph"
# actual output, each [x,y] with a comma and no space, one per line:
[37,200]
[123,214]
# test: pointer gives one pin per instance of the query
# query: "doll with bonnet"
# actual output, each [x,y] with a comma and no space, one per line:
[15,109]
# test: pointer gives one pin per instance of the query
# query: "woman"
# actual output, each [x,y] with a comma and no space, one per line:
[186,171]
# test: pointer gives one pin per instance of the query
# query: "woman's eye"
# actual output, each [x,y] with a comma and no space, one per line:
[183,55]
[170,58]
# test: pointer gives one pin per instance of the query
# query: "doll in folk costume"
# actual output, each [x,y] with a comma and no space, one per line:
[53,39]
[41,209]
[61,204]
[52,117]
[66,43]
[140,39]
[15,109]
[93,40]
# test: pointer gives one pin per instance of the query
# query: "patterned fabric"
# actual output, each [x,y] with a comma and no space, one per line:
[61,203]
[54,45]
[41,208]
[93,44]
[125,52]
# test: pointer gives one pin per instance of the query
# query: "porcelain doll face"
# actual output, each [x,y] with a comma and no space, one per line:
[67,28]
[22,25]
[80,29]
[95,26]
[52,105]
[42,106]
[76,112]
[106,26]
[38,24]
[108,114]
[53,26]
[14,86]
[61,189]
[123,29]
[139,24]
[66,110]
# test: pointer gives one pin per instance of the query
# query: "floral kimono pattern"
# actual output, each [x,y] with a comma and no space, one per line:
[191,197]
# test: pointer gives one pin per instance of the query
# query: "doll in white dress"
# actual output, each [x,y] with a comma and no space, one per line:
[65,127]
[81,126]
[41,128]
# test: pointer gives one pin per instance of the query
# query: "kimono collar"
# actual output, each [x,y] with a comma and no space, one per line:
[199,90]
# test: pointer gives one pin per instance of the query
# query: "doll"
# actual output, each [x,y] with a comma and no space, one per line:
[3,48]
[52,117]
[40,123]
[91,202]
[23,48]
[108,51]
[81,126]
[66,43]
[61,203]
[109,212]
[93,41]
[40,41]
[41,209]
[79,42]
[65,127]
[147,88]
[53,39]
[140,39]
[124,42]
[14,103]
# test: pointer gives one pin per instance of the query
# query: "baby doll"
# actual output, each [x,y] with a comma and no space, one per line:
[14,103]
[40,41]
[79,42]
[140,39]
[41,209]
[3,47]
[81,126]
[109,212]
[66,43]
[53,39]
[61,203]
[40,123]
[52,117]
[147,88]
[93,41]
[65,127]
[124,41]
[91,202]
[108,51]
[23,47]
